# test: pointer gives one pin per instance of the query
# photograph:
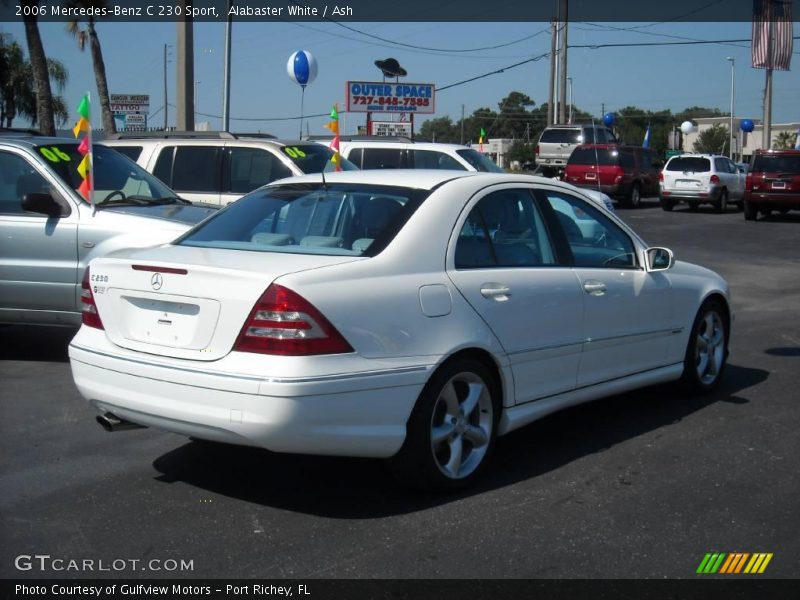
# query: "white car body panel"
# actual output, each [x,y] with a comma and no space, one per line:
[404,312]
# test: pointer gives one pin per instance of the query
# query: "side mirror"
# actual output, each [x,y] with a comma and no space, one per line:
[44,204]
[742,170]
[659,259]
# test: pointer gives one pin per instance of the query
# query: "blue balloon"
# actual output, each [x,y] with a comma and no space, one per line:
[747,125]
[608,119]
[302,67]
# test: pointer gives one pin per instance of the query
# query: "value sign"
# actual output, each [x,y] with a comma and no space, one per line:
[387,97]
[390,128]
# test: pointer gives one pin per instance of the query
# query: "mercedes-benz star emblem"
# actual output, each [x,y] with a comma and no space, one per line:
[157,280]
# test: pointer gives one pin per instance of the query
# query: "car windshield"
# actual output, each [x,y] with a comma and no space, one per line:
[117,179]
[691,164]
[561,136]
[766,163]
[315,158]
[337,219]
[593,156]
[480,162]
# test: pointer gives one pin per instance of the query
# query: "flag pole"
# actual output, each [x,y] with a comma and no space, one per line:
[766,130]
[91,157]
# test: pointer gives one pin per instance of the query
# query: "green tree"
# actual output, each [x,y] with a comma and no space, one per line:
[89,34]
[17,88]
[440,129]
[45,115]
[785,140]
[713,140]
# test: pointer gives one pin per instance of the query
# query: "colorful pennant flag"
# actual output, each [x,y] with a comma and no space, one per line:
[85,168]
[480,140]
[336,159]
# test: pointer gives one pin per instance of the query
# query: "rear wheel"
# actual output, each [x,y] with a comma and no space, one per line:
[451,430]
[750,211]
[667,205]
[722,203]
[635,196]
[707,350]
[766,212]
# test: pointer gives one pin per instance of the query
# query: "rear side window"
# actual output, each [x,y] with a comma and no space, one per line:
[430,159]
[190,168]
[347,220]
[478,161]
[383,158]
[765,163]
[132,152]
[692,164]
[592,156]
[561,136]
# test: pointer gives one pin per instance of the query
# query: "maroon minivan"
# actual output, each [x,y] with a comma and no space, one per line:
[624,172]
[773,183]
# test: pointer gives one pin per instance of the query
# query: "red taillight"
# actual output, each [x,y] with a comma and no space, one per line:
[537,150]
[714,179]
[91,318]
[283,322]
[661,176]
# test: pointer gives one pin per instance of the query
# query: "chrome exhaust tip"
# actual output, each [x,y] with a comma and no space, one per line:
[111,422]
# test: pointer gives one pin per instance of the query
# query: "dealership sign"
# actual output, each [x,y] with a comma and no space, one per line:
[386,97]
[390,128]
[127,104]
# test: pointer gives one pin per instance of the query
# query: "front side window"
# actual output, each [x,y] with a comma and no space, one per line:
[504,229]
[250,168]
[337,219]
[17,178]
[594,240]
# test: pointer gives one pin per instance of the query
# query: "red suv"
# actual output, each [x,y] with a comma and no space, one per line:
[773,182]
[623,172]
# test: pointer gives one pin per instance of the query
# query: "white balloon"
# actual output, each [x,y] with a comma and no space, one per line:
[302,67]
[687,127]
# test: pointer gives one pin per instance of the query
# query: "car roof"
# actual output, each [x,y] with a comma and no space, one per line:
[776,151]
[239,140]
[414,145]
[697,155]
[23,140]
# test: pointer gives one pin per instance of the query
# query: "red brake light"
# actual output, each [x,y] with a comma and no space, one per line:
[714,179]
[537,149]
[89,313]
[661,176]
[283,322]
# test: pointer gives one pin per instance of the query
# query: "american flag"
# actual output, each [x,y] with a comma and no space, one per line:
[779,12]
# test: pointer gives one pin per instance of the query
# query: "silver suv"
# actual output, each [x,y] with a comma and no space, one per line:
[558,141]
[218,167]
[49,233]
[701,178]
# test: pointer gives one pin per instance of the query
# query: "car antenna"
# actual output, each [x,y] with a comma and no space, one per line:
[596,159]
[324,183]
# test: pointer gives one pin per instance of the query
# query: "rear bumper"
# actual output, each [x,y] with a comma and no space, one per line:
[787,200]
[348,414]
[681,195]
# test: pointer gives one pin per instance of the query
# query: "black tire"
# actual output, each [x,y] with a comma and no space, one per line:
[419,461]
[634,199]
[667,205]
[766,212]
[693,204]
[704,362]
[722,204]
[750,211]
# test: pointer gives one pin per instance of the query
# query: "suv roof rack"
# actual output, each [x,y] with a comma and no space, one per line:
[186,135]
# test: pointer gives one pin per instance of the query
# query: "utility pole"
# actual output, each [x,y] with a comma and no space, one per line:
[184,68]
[166,100]
[766,131]
[226,75]
[462,124]
[551,89]
[562,88]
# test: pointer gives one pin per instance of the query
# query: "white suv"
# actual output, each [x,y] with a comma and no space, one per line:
[367,152]
[220,167]
[701,178]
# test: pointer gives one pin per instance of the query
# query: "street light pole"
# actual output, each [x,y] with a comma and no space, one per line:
[570,100]
[733,104]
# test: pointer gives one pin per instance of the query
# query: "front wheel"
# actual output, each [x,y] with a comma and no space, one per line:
[707,350]
[750,211]
[451,430]
[635,196]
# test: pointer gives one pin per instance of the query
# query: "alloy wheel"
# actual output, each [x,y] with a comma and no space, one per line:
[710,348]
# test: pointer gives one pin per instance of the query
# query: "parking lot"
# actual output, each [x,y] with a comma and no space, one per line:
[638,485]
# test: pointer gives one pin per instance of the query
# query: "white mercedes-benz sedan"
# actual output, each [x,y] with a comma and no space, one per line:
[416,315]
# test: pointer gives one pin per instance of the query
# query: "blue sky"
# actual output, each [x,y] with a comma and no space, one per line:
[649,77]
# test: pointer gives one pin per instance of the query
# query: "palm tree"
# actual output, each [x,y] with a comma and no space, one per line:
[785,140]
[41,77]
[90,34]
[17,90]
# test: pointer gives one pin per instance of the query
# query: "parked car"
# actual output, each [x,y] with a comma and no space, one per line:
[557,142]
[220,167]
[701,178]
[49,233]
[376,152]
[773,183]
[626,173]
[411,315]
[550,172]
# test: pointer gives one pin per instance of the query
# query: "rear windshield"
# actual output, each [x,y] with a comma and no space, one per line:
[478,161]
[692,164]
[340,219]
[765,163]
[314,158]
[592,156]
[561,136]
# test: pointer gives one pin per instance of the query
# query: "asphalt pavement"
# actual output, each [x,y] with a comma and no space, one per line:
[640,485]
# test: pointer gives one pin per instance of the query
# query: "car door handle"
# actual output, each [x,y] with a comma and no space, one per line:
[495,291]
[595,288]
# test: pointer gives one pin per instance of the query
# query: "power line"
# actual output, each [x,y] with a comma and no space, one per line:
[495,72]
